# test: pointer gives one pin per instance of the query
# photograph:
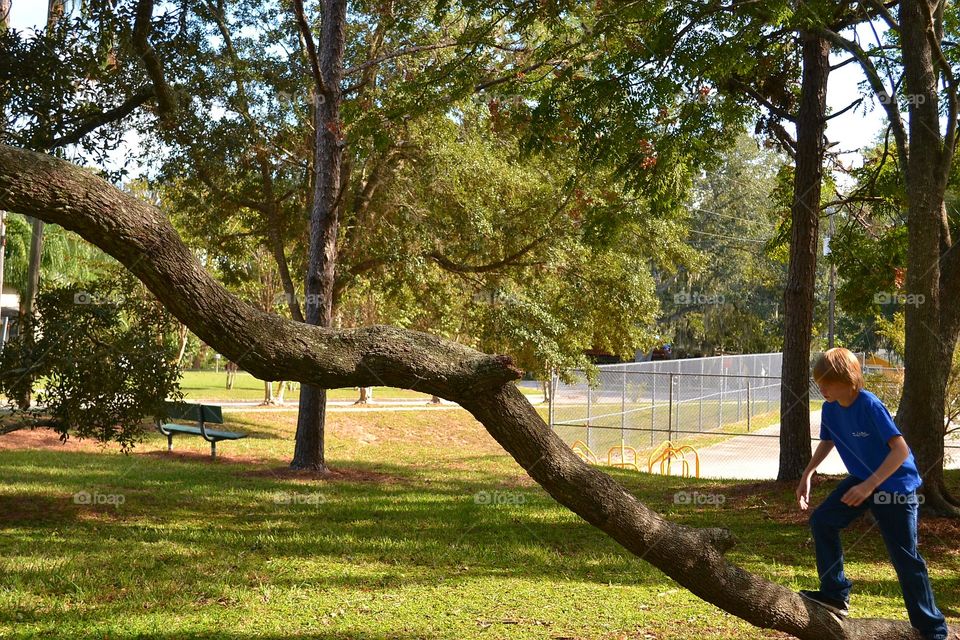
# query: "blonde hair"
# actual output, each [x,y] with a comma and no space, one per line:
[838,365]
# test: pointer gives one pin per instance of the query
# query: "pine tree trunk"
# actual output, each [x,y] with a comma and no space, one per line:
[798,297]
[324,223]
[931,331]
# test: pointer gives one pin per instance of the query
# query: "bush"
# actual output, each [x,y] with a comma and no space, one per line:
[104,358]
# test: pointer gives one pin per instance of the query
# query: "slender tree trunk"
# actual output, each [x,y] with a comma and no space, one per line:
[201,355]
[184,337]
[324,222]
[798,296]
[283,267]
[366,395]
[231,369]
[931,331]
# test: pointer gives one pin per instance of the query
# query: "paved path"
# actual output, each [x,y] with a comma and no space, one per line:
[758,458]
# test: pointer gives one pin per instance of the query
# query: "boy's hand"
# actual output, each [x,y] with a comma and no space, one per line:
[803,492]
[857,494]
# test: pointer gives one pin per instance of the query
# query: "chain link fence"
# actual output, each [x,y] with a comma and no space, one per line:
[726,408]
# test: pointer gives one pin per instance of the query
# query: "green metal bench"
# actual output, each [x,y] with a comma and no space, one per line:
[201,414]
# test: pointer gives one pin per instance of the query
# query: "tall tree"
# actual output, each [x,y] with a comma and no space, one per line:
[926,86]
[804,246]
[326,64]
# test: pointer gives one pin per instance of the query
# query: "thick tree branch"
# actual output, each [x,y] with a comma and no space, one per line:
[405,51]
[271,347]
[310,47]
[739,85]
[106,117]
[457,267]
[888,102]
[17,421]
[949,138]
[166,99]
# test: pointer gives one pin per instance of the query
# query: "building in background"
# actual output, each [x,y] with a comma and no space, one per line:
[9,312]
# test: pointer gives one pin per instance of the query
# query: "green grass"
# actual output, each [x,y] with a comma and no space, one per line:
[211,385]
[397,547]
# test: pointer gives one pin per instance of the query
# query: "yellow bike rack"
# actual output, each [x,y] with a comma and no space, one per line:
[583,452]
[666,452]
[623,464]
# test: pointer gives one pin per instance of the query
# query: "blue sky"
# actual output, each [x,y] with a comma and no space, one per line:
[853,130]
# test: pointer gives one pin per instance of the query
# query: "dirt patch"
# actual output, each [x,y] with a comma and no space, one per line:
[341,474]
[455,430]
[48,439]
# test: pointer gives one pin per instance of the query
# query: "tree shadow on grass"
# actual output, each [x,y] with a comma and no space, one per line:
[186,527]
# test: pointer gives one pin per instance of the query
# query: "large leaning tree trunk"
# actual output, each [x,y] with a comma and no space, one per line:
[798,296]
[327,69]
[932,324]
[270,347]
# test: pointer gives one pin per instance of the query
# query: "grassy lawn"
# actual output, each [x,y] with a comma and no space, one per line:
[428,530]
[211,385]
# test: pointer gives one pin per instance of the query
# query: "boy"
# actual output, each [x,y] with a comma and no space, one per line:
[883,478]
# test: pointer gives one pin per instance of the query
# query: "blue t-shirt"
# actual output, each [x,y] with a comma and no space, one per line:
[860,432]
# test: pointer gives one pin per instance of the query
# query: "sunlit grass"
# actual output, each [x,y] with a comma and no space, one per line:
[433,532]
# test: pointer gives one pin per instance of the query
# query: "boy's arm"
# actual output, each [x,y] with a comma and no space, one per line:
[899,452]
[819,455]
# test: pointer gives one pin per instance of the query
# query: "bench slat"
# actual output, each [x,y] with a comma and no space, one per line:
[220,435]
[192,412]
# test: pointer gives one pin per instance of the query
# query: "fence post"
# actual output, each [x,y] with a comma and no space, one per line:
[589,412]
[700,418]
[670,409]
[623,411]
[723,390]
[552,388]
[739,398]
[653,407]
[748,405]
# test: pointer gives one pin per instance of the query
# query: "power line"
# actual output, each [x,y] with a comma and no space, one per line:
[725,215]
[720,235]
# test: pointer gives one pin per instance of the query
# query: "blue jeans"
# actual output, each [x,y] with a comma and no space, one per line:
[896,515]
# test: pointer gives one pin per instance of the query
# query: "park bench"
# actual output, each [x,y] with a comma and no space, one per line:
[201,414]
